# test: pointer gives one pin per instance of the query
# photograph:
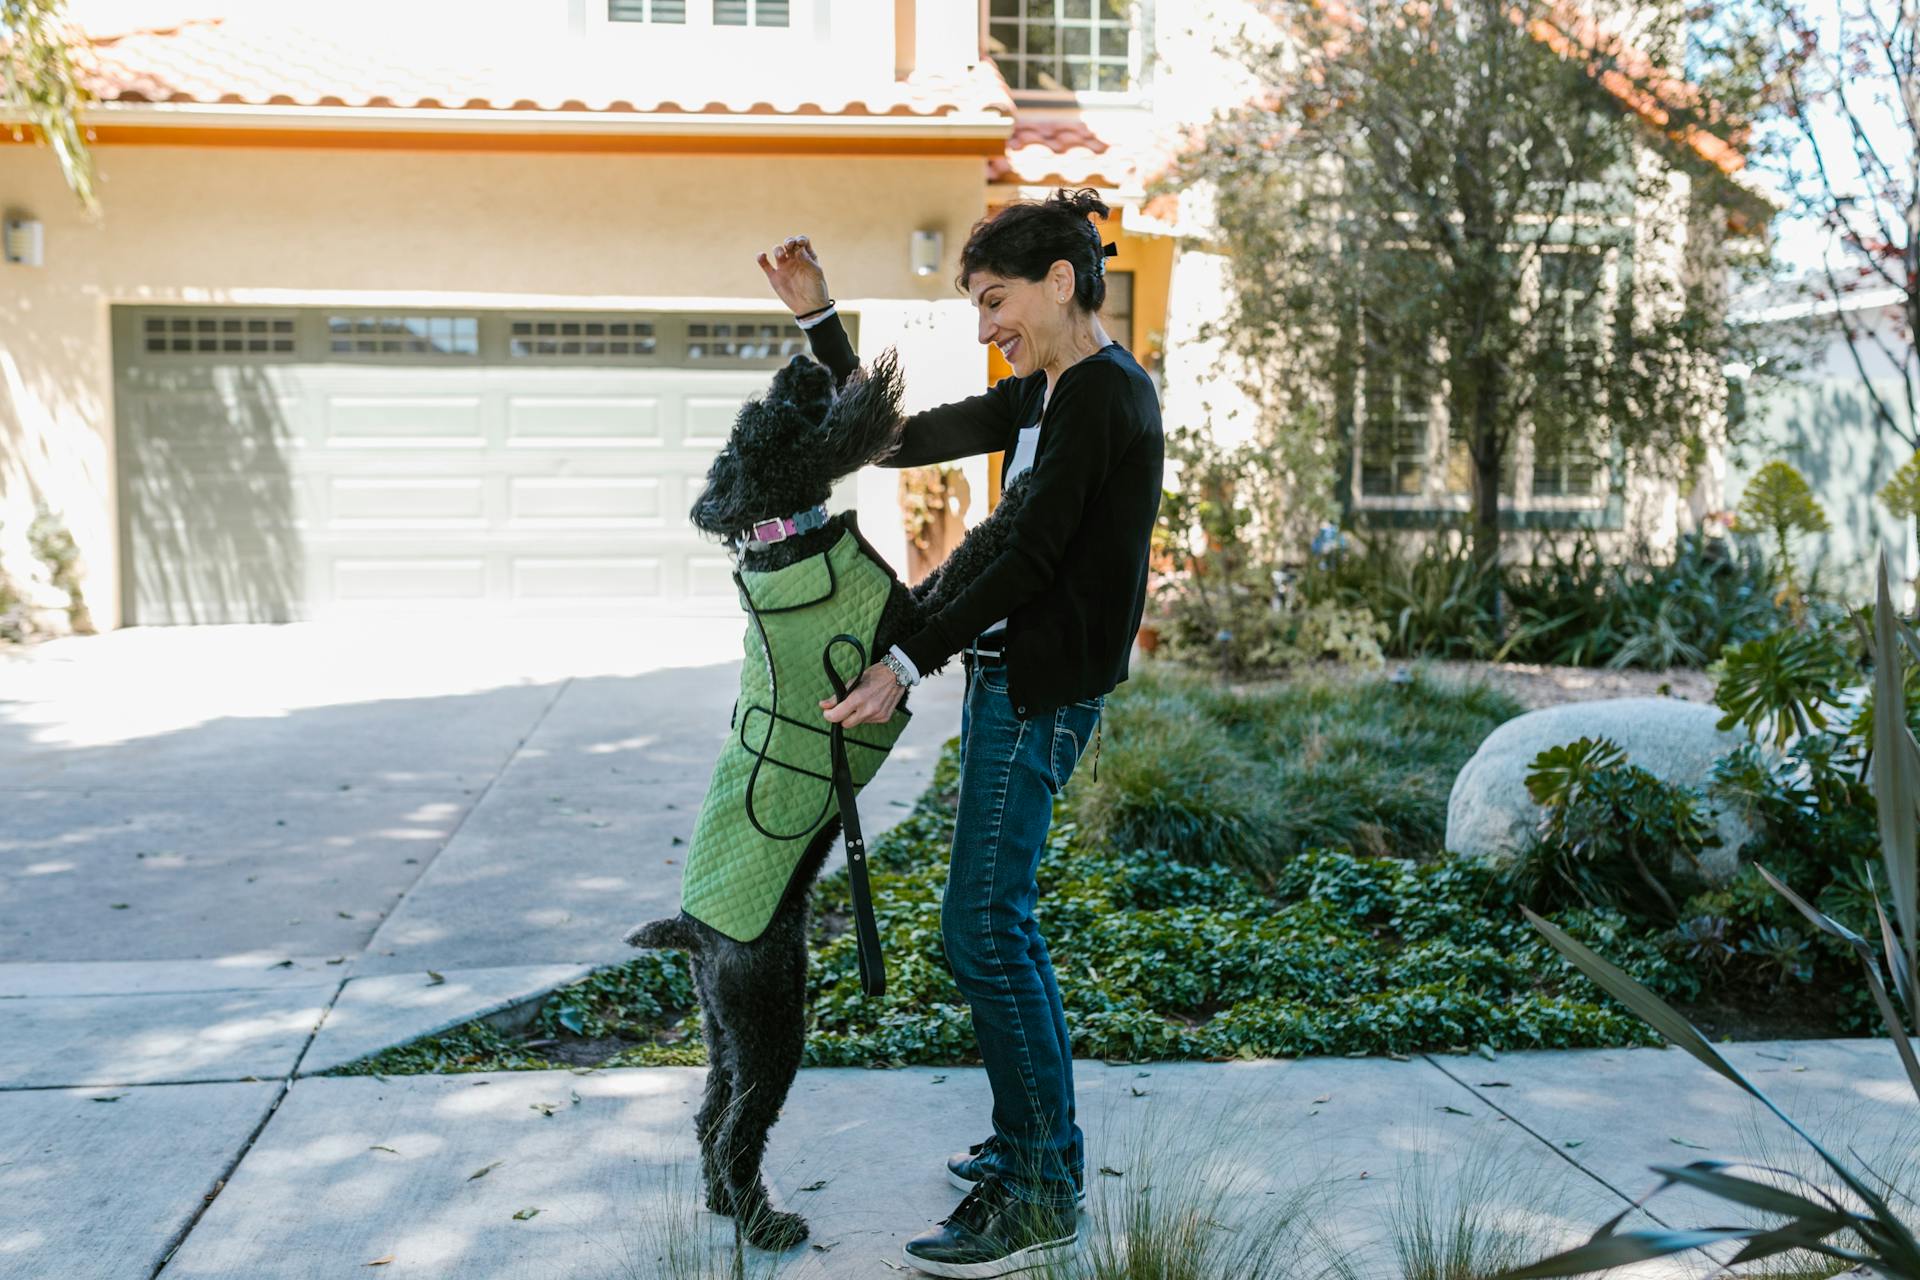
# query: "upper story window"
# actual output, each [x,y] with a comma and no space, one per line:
[1063,46]
[722,13]
[749,13]
[665,11]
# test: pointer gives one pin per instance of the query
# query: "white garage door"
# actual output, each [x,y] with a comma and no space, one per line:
[282,464]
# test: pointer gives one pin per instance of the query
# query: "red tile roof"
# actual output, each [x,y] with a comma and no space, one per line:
[1060,152]
[251,59]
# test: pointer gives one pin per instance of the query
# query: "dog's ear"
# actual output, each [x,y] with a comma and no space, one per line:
[863,425]
[804,384]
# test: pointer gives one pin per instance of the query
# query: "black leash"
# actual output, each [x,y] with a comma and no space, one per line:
[873,971]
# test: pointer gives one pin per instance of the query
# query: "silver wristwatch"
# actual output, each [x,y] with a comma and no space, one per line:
[898,668]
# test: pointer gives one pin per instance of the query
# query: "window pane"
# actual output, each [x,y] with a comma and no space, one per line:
[1003,37]
[1040,39]
[1076,9]
[1393,446]
[1113,41]
[1004,8]
[1076,42]
[1113,77]
[1118,10]
[1045,75]
[669,10]
[1077,76]
[729,13]
[1043,10]
[771,13]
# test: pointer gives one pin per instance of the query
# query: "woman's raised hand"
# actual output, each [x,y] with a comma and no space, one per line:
[794,272]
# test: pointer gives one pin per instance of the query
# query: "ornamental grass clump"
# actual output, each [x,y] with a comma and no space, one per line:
[1250,777]
[1844,1212]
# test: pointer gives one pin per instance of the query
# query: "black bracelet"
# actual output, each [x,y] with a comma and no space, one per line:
[816,311]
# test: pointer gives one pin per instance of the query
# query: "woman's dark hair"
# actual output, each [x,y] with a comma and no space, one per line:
[1024,239]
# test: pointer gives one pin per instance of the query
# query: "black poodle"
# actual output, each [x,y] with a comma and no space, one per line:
[784,454]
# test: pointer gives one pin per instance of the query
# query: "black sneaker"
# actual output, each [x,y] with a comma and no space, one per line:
[994,1233]
[963,1170]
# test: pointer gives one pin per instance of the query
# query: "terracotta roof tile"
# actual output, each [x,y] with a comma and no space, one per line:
[262,60]
[1067,151]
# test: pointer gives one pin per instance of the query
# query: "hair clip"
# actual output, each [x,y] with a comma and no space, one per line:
[1110,250]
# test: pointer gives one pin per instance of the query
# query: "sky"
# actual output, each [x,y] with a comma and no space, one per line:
[1800,243]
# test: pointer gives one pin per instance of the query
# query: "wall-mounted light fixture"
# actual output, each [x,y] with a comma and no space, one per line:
[22,240]
[925,254]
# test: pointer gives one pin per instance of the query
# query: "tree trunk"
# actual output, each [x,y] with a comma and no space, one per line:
[1486,502]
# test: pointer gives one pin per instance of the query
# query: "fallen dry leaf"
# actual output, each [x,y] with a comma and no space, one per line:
[481,1173]
[378,1262]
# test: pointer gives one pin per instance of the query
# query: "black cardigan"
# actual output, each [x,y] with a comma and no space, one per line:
[1072,582]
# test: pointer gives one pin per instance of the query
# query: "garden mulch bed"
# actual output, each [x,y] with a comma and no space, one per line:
[1536,686]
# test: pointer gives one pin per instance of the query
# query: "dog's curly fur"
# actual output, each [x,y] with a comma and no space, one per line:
[784,454]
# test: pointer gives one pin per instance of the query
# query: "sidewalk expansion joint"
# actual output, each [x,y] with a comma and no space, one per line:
[286,1083]
[1541,1138]
[293,1071]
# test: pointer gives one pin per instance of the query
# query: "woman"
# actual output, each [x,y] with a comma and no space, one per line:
[1044,634]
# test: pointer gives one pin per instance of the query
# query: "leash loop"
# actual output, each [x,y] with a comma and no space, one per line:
[873,972]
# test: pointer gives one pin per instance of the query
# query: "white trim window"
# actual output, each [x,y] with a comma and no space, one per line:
[700,13]
[662,12]
[1410,456]
[1075,48]
[1578,283]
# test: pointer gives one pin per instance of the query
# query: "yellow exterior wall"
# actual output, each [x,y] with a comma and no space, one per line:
[299,227]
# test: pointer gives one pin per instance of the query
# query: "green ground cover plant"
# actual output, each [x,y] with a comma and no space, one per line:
[1175,949]
[1258,871]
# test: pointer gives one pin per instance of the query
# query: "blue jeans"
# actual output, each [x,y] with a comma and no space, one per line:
[1010,771]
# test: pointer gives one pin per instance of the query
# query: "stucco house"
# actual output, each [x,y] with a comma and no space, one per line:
[1821,418]
[441,309]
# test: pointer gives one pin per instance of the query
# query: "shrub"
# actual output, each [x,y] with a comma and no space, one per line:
[1569,605]
[1611,834]
[1855,1222]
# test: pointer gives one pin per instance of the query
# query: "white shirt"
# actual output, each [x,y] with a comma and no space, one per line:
[1023,452]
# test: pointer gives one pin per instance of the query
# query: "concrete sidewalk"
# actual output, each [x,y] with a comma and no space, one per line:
[234,857]
[351,1170]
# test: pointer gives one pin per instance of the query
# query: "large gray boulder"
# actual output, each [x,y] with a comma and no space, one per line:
[1491,813]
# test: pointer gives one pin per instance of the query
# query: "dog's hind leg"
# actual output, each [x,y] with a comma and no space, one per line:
[765,1003]
[711,1118]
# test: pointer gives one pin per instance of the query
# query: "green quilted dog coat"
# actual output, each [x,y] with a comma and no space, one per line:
[772,787]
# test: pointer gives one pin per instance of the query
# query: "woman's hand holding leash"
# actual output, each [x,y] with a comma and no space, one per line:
[871,701]
[794,272]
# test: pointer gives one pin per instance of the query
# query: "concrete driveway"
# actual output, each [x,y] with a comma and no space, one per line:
[314,816]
